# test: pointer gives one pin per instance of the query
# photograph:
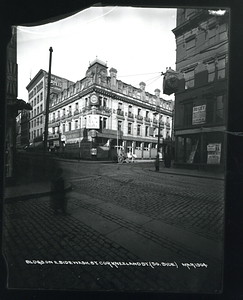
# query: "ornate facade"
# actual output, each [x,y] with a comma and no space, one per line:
[108,113]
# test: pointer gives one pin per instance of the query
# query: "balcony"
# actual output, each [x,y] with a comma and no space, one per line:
[120,112]
[105,109]
[146,119]
[140,118]
[63,116]
[155,122]
[130,115]
[167,125]
[76,112]
[69,114]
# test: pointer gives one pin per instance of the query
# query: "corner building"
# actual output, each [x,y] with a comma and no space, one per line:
[98,114]
[202,98]
[37,93]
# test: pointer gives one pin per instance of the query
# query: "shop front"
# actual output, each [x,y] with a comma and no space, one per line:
[201,150]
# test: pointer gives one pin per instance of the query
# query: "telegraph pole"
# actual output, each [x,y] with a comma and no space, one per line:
[47,103]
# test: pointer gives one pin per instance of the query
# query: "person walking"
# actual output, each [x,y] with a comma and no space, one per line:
[156,163]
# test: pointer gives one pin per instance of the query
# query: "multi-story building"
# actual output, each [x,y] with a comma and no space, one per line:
[100,113]
[37,90]
[201,99]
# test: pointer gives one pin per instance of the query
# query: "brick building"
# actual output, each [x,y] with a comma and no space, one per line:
[201,100]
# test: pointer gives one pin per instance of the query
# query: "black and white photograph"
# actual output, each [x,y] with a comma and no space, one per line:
[115,151]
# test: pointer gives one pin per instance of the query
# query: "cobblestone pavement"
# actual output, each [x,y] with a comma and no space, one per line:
[193,203]
[32,232]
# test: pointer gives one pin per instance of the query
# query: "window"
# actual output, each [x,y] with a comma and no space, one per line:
[34,112]
[119,106]
[34,101]
[139,130]
[105,102]
[104,122]
[63,127]
[190,44]
[58,114]
[129,128]
[63,112]
[53,116]
[147,114]
[38,110]
[41,131]
[69,126]
[188,114]
[139,111]
[76,106]
[53,130]
[41,108]
[189,79]
[219,109]
[211,71]
[37,132]
[130,111]
[210,111]
[221,68]
[38,99]
[212,36]
[222,32]
[41,96]
[146,131]
[76,124]
[37,121]
[40,119]
[119,125]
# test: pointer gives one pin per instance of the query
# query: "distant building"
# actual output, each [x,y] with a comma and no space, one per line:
[37,91]
[201,100]
[99,113]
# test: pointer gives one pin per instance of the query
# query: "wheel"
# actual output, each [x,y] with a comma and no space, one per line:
[120,160]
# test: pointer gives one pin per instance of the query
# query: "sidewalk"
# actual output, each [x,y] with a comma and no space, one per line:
[23,192]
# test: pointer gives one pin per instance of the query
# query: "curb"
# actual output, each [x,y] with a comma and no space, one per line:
[10,200]
[189,175]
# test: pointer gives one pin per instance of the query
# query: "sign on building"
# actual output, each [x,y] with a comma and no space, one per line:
[93,122]
[199,115]
[214,154]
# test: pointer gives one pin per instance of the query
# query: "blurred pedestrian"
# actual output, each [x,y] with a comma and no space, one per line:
[156,163]
[58,199]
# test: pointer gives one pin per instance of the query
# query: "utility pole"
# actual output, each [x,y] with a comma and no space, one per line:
[47,103]
[158,136]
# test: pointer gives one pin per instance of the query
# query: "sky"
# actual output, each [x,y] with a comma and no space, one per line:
[137,42]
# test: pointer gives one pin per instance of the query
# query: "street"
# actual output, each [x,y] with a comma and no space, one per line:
[128,228]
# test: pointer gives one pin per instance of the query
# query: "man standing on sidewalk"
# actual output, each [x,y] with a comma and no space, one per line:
[156,163]
[58,199]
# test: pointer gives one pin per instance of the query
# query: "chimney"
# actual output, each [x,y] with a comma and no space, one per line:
[157,93]
[113,74]
[142,88]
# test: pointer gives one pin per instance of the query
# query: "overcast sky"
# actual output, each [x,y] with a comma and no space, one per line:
[138,42]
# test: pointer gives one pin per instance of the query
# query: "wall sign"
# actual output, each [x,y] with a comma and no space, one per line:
[93,122]
[199,115]
[214,154]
